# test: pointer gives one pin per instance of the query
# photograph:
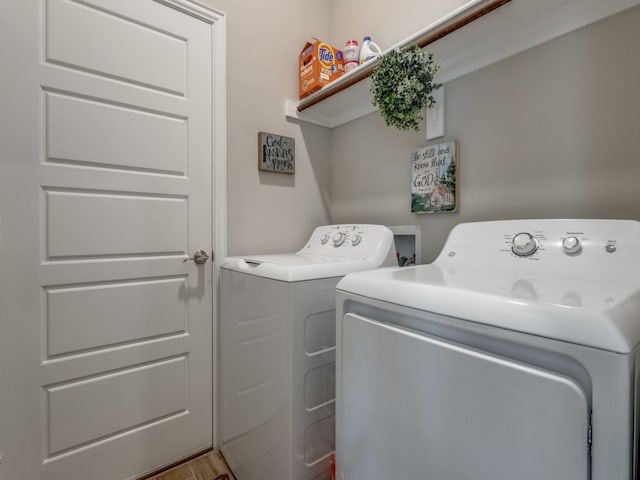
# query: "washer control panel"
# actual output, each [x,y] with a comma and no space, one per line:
[350,241]
[335,236]
[339,238]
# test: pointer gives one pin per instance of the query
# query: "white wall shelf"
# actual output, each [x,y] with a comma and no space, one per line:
[514,27]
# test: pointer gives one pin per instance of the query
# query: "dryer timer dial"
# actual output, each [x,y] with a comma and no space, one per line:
[524,244]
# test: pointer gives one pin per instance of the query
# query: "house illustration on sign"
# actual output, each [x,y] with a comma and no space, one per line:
[441,196]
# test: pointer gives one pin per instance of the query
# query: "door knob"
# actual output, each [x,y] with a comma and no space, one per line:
[199,257]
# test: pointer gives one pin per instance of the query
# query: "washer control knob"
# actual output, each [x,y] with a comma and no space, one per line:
[571,245]
[524,244]
[355,239]
[324,238]
[339,238]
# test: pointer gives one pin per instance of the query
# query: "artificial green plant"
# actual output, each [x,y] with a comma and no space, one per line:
[402,85]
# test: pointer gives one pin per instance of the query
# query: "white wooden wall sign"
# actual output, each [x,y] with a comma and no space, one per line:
[276,153]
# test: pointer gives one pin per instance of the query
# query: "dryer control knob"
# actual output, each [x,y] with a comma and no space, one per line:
[324,238]
[524,244]
[339,238]
[355,239]
[571,245]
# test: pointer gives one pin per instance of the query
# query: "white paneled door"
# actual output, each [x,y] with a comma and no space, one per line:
[105,192]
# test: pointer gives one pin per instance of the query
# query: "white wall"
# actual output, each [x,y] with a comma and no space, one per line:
[551,132]
[269,213]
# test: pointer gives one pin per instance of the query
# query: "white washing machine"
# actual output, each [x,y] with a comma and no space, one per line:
[513,356]
[277,344]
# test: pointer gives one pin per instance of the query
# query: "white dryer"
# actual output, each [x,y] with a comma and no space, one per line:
[277,344]
[513,356]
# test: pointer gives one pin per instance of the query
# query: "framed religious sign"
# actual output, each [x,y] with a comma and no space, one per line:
[434,178]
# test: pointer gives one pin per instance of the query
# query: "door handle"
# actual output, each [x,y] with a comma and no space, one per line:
[199,257]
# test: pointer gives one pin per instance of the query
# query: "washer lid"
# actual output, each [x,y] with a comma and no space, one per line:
[295,267]
[331,251]
[598,311]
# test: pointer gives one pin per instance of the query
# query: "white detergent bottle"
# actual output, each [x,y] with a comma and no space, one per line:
[369,50]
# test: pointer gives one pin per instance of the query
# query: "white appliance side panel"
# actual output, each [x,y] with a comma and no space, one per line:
[255,379]
[313,328]
[413,406]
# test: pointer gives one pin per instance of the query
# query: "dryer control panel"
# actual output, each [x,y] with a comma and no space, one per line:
[572,263]
[580,244]
[524,244]
[567,241]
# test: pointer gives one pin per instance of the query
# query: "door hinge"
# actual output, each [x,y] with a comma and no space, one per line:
[590,431]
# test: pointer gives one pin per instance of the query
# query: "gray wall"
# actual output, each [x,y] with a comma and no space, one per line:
[551,132]
[385,22]
[270,212]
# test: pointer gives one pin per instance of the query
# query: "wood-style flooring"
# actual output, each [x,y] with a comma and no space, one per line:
[206,467]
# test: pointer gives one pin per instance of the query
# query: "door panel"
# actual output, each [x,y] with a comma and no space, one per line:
[110,136]
[116,45]
[414,406]
[91,316]
[82,224]
[106,341]
[99,409]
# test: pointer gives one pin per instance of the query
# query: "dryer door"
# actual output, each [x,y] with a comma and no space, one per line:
[413,406]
